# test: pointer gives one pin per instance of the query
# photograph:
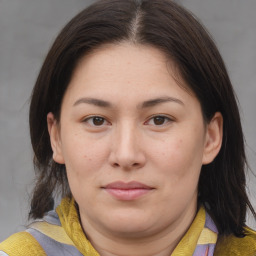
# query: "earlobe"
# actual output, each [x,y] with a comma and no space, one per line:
[54,134]
[213,139]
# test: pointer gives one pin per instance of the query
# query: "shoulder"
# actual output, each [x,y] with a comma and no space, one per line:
[22,244]
[232,245]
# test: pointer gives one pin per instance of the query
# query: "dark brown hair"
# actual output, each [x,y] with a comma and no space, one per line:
[172,29]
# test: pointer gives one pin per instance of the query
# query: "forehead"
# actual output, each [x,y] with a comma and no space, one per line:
[126,67]
[122,57]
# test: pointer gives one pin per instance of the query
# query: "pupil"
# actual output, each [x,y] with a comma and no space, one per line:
[98,120]
[159,120]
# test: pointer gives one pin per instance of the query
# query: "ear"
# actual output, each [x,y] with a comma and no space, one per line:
[213,139]
[54,132]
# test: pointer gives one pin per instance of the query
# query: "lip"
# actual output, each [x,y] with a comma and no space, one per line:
[127,191]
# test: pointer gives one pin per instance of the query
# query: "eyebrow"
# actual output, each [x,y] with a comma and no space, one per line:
[93,101]
[157,101]
[145,104]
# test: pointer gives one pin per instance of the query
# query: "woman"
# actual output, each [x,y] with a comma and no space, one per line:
[134,122]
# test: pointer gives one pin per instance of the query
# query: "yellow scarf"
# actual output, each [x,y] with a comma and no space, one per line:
[196,235]
[70,232]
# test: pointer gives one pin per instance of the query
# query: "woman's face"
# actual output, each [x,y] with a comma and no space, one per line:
[133,142]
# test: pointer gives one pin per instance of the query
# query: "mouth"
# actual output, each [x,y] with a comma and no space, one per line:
[127,191]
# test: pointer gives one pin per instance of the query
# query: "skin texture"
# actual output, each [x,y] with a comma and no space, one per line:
[161,143]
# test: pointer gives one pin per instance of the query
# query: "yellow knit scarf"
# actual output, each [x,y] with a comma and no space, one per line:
[196,235]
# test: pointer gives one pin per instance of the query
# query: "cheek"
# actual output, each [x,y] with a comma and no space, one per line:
[84,161]
[83,157]
[179,158]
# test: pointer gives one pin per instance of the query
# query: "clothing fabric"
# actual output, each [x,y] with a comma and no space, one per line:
[60,233]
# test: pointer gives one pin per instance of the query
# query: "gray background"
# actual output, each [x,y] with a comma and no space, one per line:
[27,29]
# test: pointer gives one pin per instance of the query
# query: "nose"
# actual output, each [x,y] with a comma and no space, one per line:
[127,150]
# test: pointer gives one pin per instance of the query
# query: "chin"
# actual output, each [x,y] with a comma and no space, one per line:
[128,223]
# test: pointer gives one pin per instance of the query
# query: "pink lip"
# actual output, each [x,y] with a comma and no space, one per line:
[127,191]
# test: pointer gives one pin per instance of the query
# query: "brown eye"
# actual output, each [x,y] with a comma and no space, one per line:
[94,121]
[159,120]
[97,121]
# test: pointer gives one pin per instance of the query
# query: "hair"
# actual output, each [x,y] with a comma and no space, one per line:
[172,29]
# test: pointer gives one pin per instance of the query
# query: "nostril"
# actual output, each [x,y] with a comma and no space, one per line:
[134,165]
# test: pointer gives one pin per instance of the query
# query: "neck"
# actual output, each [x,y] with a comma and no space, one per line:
[159,243]
[142,248]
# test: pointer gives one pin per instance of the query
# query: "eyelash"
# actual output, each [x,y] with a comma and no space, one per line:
[94,118]
[164,118]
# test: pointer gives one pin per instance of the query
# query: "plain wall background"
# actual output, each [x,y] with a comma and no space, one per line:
[28,28]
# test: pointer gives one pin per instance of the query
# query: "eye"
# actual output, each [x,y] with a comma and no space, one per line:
[158,120]
[96,121]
